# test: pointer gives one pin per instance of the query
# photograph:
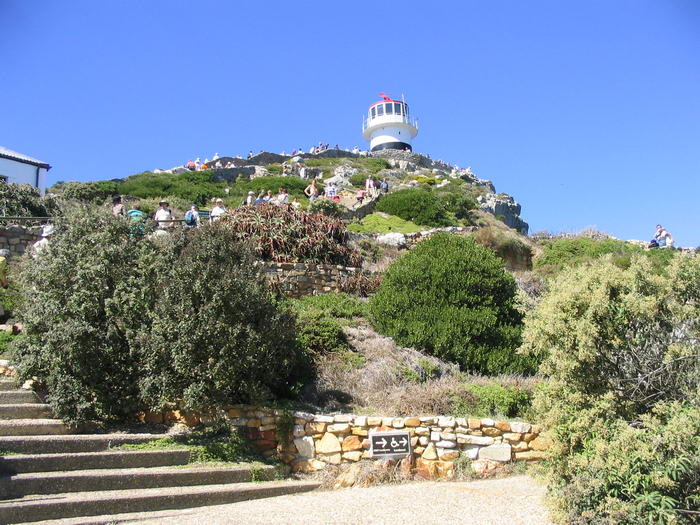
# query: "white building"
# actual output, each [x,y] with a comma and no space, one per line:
[21,169]
[389,125]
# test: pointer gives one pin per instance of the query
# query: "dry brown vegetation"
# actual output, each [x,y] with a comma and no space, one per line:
[382,378]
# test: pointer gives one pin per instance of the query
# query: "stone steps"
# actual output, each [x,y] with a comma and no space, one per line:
[23,463]
[8,384]
[66,505]
[25,411]
[18,396]
[33,427]
[20,485]
[66,444]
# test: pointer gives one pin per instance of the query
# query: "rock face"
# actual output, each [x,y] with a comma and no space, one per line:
[341,175]
[392,239]
[504,206]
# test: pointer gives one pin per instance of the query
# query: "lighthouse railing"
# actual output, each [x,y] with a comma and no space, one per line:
[389,119]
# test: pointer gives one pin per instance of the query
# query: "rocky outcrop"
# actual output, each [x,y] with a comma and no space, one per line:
[504,207]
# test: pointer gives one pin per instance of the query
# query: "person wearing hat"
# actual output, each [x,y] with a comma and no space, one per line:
[46,236]
[250,199]
[217,211]
[164,216]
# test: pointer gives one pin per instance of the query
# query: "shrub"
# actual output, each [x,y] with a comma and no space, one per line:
[458,204]
[620,347]
[382,223]
[118,322]
[5,339]
[358,179]
[562,253]
[339,305]
[416,205]
[508,247]
[452,298]
[320,333]
[327,207]
[288,235]
[88,192]
[75,322]
[491,400]
[25,201]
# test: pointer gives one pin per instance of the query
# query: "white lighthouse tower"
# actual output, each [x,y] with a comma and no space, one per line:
[389,125]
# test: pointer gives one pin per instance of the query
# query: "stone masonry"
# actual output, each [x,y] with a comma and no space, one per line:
[18,239]
[300,279]
[310,442]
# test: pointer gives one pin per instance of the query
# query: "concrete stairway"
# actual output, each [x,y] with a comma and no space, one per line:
[46,473]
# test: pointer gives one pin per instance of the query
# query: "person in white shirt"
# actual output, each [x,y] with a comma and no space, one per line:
[46,235]
[250,198]
[217,211]
[164,216]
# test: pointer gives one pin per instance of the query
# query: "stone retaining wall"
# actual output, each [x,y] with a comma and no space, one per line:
[300,279]
[310,442]
[18,239]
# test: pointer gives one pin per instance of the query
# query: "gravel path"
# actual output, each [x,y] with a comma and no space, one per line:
[516,500]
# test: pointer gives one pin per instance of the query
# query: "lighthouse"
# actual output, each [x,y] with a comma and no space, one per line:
[389,125]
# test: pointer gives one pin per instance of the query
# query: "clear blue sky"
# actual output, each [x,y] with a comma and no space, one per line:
[587,111]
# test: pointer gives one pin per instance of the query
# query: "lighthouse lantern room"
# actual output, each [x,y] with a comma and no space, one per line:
[389,125]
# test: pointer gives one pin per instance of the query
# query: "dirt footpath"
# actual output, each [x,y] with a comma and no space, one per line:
[516,500]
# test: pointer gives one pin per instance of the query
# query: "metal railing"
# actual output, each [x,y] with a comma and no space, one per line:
[388,120]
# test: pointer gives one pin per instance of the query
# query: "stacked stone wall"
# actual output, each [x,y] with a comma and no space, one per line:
[18,239]
[300,279]
[310,442]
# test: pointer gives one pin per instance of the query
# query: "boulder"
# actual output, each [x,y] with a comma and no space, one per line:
[392,239]
[305,446]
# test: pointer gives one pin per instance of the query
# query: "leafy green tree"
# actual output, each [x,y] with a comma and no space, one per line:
[452,297]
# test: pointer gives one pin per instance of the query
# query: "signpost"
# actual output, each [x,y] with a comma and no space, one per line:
[395,443]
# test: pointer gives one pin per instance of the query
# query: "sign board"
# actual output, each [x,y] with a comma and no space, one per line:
[391,443]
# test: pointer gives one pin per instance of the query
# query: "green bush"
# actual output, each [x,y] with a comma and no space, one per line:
[320,334]
[491,400]
[459,204]
[327,207]
[5,339]
[87,192]
[382,223]
[339,305]
[25,201]
[115,322]
[358,180]
[452,298]
[562,253]
[209,340]
[416,205]
[620,349]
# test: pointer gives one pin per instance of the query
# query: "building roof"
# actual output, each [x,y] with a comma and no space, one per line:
[25,159]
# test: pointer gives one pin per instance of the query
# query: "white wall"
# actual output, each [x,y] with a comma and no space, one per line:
[21,173]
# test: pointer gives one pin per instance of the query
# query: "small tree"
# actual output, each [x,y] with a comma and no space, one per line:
[25,200]
[453,298]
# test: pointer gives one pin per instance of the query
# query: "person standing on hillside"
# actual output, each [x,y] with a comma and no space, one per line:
[311,191]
